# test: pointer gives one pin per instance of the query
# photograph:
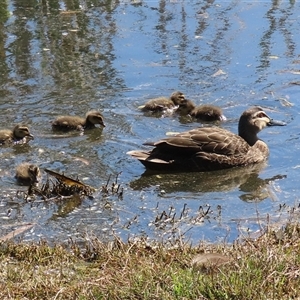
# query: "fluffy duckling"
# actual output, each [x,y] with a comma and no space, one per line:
[205,112]
[163,103]
[20,133]
[27,174]
[66,123]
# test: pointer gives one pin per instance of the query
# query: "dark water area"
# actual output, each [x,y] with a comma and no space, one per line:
[61,58]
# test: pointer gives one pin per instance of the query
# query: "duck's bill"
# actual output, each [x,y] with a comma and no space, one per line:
[276,123]
[31,137]
[223,118]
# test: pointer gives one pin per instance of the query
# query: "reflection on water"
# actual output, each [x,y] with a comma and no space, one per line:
[246,179]
[69,57]
[66,206]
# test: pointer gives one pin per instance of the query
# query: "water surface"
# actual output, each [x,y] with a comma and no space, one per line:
[60,58]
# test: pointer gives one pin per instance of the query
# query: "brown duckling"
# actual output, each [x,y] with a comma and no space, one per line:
[163,103]
[66,123]
[27,174]
[210,148]
[20,133]
[205,112]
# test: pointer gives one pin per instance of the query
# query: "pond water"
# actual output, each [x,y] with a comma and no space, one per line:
[61,57]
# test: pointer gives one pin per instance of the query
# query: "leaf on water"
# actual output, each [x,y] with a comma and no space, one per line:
[86,162]
[218,73]
[67,180]
[294,83]
[16,232]
[295,72]
[285,102]
[66,12]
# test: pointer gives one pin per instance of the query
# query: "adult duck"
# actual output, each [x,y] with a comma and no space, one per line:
[210,148]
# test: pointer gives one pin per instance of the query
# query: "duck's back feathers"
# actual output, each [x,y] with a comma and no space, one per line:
[157,104]
[205,112]
[68,123]
[207,139]
[163,103]
[208,112]
[203,149]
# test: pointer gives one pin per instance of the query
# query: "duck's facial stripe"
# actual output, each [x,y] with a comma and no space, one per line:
[261,115]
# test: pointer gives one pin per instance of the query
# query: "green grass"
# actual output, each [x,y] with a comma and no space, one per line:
[267,268]
[4,14]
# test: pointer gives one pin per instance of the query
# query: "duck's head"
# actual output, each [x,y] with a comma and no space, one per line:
[34,173]
[21,131]
[186,106]
[95,117]
[252,121]
[177,97]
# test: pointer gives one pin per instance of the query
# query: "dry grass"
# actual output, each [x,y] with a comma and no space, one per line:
[267,268]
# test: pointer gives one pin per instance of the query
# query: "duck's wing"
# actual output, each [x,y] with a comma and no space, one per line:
[206,139]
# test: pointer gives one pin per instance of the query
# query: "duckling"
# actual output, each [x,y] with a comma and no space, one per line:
[210,148]
[163,103]
[27,174]
[20,133]
[205,112]
[67,123]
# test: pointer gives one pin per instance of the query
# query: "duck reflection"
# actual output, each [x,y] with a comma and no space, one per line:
[246,179]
